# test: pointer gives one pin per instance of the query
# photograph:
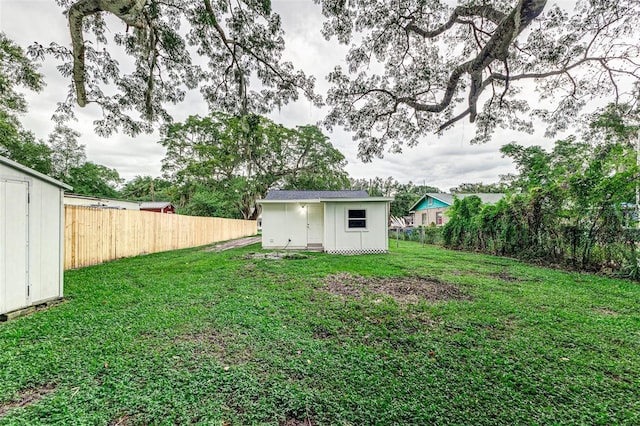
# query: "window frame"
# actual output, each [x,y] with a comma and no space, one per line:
[348,220]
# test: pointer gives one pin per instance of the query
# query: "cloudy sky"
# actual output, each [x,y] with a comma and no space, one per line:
[443,162]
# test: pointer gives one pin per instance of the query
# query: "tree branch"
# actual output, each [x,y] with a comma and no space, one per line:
[129,11]
[483,11]
[495,48]
[232,51]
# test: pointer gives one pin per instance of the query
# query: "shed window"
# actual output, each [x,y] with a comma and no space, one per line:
[357,219]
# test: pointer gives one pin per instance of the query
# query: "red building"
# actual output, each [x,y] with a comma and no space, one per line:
[158,206]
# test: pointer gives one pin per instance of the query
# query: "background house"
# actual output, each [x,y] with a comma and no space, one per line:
[31,237]
[158,206]
[431,207]
[347,222]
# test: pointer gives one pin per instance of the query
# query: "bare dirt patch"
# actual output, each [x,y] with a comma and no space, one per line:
[605,311]
[402,289]
[240,242]
[121,421]
[27,397]
[273,255]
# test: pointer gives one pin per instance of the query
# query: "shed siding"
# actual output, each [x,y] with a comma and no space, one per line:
[284,222]
[41,220]
[45,214]
[340,239]
[13,246]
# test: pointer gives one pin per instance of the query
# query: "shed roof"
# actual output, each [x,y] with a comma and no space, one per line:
[285,195]
[155,204]
[33,173]
[93,198]
[343,196]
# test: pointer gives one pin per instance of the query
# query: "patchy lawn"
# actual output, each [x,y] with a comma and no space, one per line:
[418,336]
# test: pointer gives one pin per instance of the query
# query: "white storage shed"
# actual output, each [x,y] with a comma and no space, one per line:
[341,222]
[31,237]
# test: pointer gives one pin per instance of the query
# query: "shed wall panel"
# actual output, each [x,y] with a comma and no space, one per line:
[31,206]
[338,237]
[45,214]
[284,222]
[13,244]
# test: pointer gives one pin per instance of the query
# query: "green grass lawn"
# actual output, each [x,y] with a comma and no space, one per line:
[419,336]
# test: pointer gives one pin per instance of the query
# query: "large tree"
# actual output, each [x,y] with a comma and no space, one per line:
[18,71]
[94,180]
[22,146]
[245,156]
[417,67]
[218,46]
[478,188]
[66,152]
[147,188]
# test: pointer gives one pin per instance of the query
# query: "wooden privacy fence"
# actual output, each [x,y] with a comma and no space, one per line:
[93,235]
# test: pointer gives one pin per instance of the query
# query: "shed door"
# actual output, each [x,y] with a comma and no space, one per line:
[14,249]
[315,223]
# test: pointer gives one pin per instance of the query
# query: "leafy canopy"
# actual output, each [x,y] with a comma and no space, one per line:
[18,71]
[147,188]
[95,180]
[245,156]
[238,65]
[416,67]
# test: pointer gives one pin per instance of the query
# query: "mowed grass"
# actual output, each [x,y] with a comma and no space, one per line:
[199,337]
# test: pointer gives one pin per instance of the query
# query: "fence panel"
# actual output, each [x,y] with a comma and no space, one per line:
[93,236]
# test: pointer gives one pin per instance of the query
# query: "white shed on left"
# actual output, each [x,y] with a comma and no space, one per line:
[31,237]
